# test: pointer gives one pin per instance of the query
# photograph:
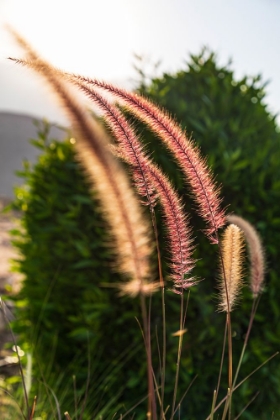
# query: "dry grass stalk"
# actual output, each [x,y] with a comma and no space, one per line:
[256,253]
[232,247]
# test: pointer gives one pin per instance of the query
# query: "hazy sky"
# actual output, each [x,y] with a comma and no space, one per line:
[99,38]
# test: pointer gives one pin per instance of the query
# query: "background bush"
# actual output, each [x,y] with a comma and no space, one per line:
[66,261]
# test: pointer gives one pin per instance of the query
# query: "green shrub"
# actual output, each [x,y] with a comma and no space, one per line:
[66,260]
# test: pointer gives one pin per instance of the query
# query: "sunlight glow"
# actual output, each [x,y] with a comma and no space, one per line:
[79,36]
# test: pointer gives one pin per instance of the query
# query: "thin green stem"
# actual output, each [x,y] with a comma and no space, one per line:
[33,408]
[213,404]
[252,316]
[222,361]
[178,355]
[247,405]
[75,396]
[229,361]
[228,324]
[226,404]
[242,382]
[163,351]
[185,393]
[2,305]
[87,382]
[163,367]
[152,412]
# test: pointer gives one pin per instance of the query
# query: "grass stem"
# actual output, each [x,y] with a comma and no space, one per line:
[178,355]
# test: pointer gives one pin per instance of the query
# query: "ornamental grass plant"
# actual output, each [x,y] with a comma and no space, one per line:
[129,206]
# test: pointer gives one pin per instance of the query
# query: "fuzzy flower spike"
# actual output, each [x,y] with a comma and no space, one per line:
[187,154]
[129,227]
[256,253]
[230,284]
[152,184]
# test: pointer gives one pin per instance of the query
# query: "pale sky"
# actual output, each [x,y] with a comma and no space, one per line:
[99,38]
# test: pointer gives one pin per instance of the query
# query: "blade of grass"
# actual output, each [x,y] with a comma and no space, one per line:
[213,404]
[87,383]
[3,307]
[243,380]
[185,393]
[14,400]
[247,405]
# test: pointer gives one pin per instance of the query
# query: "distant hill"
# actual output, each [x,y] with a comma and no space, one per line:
[15,132]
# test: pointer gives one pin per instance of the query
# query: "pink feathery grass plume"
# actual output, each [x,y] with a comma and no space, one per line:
[152,184]
[129,227]
[180,242]
[256,253]
[130,149]
[184,150]
[232,247]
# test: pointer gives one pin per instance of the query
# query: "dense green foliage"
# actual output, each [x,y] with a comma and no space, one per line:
[66,262]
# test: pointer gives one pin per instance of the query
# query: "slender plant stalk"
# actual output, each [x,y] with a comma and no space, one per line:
[228,321]
[231,280]
[252,316]
[222,362]
[229,362]
[247,405]
[28,411]
[244,380]
[227,403]
[33,408]
[180,344]
[56,402]
[213,404]
[163,350]
[185,393]
[228,317]
[163,364]
[178,356]
[152,412]
[75,396]
[87,382]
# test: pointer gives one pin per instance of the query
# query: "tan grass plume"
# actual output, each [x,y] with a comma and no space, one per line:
[256,253]
[230,283]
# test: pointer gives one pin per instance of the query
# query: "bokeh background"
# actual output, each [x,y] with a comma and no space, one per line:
[99,38]
[233,117]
